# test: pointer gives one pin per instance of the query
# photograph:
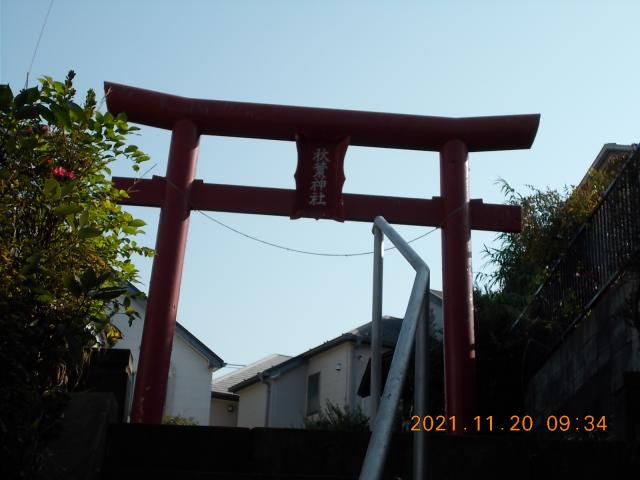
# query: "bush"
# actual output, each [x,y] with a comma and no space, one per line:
[334,417]
[65,253]
[178,420]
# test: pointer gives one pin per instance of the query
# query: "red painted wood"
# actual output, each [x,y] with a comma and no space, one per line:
[277,122]
[457,288]
[360,208]
[164,289]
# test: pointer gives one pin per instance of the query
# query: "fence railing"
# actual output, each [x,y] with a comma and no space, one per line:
[595,258]
[414,331]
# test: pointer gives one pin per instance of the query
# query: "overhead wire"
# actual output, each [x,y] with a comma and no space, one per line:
[296,250]
[35,50]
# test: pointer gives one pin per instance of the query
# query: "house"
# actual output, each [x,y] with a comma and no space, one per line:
[296,388]
[224,403]
[190,371]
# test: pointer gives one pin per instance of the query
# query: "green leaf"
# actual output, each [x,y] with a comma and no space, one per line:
[67,188]
[89,279]
[72,283]
[137,223]
[72,221]
[52,189]
[27,111]
[27,96]
[47,114]
[44,298]
[104,277]
[67,209]
[108,293]
[6,96]
[31,264]
[84,219]
[77,113]
[128,268]
[112,333]
[89,232]
[62,116]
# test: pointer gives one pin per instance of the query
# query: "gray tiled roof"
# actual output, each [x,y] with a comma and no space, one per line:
[222,384]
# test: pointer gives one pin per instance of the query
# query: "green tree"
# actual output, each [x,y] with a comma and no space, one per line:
[550,220]
[65,253]
[521,262]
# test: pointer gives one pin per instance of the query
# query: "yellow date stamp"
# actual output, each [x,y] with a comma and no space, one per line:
[515,423]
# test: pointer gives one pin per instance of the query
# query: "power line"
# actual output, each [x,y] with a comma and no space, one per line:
[35,50]
[304,252]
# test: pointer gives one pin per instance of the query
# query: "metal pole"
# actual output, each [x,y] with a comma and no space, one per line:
[459,343]
[164,289]
[383,426]
[421,387]
[376,321]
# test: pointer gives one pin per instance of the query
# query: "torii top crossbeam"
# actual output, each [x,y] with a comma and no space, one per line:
[453,211]
[366,129]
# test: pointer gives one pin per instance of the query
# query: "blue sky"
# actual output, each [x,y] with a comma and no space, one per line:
[573,62]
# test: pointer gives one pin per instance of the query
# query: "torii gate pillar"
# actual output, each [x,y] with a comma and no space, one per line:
[166,274]
[457,289]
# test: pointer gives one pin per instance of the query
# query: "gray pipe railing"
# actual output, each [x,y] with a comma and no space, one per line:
[414,330]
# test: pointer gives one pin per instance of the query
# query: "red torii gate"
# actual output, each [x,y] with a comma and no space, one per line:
[180,192]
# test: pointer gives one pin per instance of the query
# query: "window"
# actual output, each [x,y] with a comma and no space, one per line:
[313,394]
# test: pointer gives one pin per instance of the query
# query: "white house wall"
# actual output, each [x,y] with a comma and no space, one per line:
[223,413]
[189,386]
[334,383]
[191,393]
[252,406]
[288,399]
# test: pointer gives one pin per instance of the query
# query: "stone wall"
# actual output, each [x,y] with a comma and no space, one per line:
[592,371]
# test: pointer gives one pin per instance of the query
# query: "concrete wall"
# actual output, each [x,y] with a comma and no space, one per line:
[586,374]
[219,414]
[252,407]
[189,384]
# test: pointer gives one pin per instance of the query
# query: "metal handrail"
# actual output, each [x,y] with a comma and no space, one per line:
[415,329]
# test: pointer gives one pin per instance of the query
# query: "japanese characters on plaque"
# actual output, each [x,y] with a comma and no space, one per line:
[319,178]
